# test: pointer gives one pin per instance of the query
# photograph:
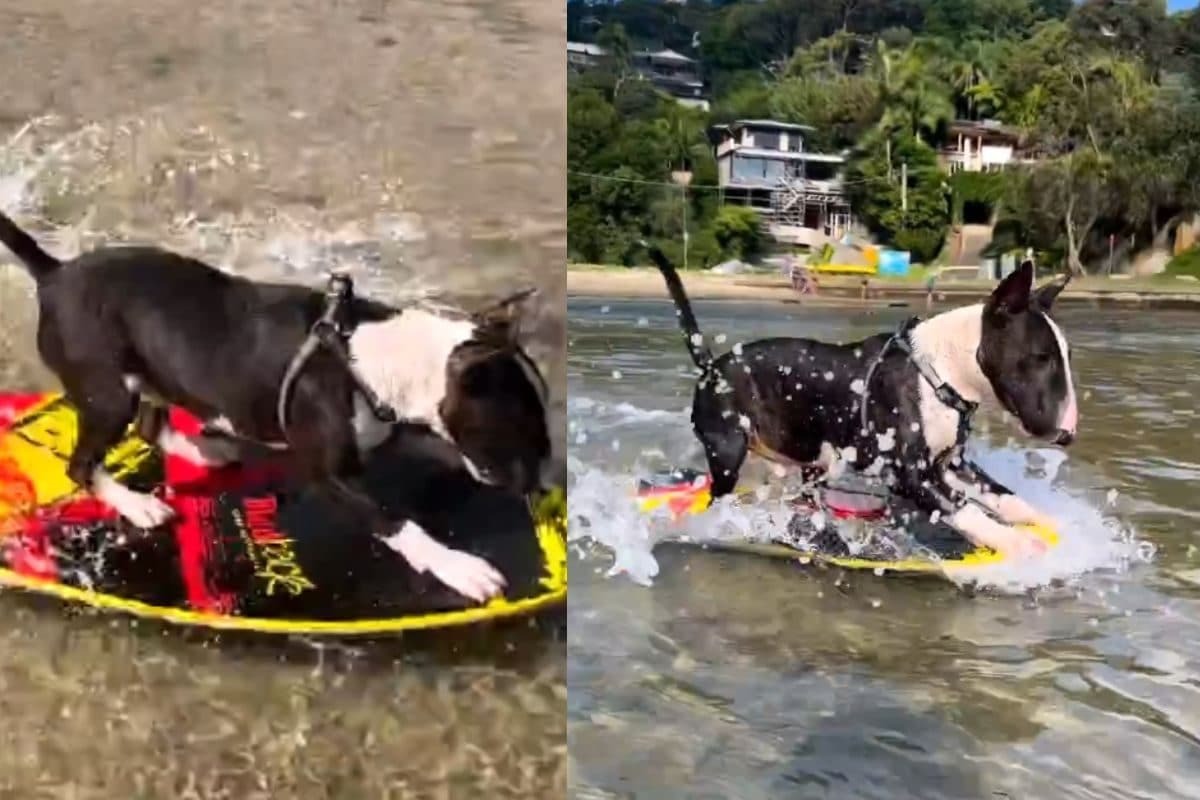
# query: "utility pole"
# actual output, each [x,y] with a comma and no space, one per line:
[682,178]
[904,186]
[685,230]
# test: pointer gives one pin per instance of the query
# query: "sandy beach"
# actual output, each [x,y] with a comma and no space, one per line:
[640,282]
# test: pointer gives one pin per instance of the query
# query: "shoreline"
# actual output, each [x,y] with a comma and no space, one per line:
[647,283]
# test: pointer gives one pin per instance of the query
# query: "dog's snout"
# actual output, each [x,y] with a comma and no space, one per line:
[1064,437]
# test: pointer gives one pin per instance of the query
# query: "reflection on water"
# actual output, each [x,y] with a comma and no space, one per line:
[749,678]
[420,145]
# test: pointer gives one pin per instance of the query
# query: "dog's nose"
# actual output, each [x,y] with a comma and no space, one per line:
[1064,437]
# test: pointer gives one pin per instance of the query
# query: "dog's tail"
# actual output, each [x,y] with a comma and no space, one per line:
[39,263]
[696,345]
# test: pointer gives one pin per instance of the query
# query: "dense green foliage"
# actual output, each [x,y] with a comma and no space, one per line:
[1102,93]
[1186,263]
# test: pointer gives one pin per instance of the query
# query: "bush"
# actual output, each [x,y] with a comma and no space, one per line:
[738,234]
[923,243]
[1186,263]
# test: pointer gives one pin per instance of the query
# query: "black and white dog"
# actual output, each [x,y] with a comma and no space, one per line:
[118,323]
[897,405]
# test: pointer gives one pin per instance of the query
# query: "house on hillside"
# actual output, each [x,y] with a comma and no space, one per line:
[980,147]
[670,72]
[583,55]
[763,164]
[673,73]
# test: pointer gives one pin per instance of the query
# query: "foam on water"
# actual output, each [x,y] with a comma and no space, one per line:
[272,247]
[604,514]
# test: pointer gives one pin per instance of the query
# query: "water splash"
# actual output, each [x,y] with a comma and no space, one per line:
[605,520]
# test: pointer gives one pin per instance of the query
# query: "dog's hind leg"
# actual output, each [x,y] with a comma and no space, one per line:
[106,408]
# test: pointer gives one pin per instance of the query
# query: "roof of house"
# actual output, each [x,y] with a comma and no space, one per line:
[769,123]
[983,128]
[666,54]
[586,48]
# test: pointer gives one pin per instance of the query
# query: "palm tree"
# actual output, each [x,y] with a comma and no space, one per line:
[684,134]
[970,78]
[912,98]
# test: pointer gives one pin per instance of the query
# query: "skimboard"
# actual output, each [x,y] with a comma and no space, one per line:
[847,512]
[247,549]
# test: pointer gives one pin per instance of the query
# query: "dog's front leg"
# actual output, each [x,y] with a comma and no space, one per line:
[469,575]
[105,412]
[969,478]
[929,491]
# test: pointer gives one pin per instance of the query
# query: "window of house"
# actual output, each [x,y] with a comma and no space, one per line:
[757,170]
[767,140]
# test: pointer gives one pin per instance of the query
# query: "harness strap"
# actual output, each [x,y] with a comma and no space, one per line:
[944,392]
[333,331]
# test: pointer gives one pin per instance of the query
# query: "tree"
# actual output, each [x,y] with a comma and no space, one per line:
[913,220]
[682,131]
[592,126]
[1137,29]
[618,55]
[841,109]
[970,75]
[912,99]
[738,232]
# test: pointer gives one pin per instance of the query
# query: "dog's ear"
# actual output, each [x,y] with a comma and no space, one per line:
[1045,296]
[1013,294]
[501,319]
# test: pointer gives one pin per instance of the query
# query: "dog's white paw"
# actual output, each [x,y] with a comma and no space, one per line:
[982,530]
[143,510]
[466,574]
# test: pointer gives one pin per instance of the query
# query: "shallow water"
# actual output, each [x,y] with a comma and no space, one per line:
[420,145]
[731,676]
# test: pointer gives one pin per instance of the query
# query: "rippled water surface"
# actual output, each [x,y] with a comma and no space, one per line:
[735,676]
[420,145]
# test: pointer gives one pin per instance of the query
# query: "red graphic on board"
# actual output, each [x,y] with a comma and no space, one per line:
[190,488]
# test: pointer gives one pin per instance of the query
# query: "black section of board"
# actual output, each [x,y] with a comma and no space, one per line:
[286,552]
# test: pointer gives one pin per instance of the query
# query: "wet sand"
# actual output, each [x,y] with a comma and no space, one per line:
[845,290]
[420,146]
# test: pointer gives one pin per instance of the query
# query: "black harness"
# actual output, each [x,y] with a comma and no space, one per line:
[332,331]
[944,392]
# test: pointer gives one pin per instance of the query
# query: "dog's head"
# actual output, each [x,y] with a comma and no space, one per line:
[495,404]
[1026,358]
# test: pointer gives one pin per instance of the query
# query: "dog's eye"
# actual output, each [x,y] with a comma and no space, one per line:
[1035,361]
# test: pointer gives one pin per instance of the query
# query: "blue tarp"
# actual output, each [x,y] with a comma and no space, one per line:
[894,262]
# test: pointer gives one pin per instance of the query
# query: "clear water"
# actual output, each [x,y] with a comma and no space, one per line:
[718,675]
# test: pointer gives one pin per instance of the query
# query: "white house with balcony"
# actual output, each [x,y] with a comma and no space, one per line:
[763,164]
[983,146]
